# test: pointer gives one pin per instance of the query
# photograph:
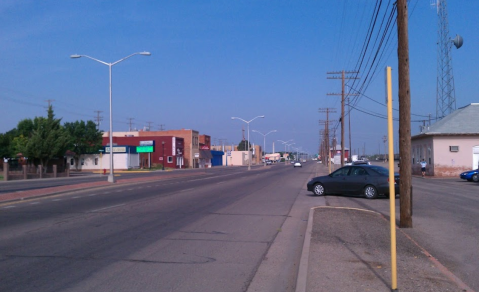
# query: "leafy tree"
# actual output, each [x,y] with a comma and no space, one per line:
[84,138]
[19,144]
[25,128]
[4,146]
[48,140]
[243,145]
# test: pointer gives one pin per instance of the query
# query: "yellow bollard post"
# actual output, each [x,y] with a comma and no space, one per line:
[392,194]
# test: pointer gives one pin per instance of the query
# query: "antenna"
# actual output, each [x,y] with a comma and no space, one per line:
[445,91]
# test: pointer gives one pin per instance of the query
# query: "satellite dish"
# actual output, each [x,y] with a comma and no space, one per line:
[457,41]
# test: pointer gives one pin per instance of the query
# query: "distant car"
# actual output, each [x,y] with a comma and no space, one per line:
[369,180]
[358,162]
[471,175]
[361,162]
[297,164]
[269,162]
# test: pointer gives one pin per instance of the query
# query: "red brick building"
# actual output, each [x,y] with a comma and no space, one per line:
[167,150]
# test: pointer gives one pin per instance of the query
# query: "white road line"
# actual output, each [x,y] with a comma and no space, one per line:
[76,197]
[92,195]
[34,203]
[107,208]
[187,190]
[56,200]
[8,207]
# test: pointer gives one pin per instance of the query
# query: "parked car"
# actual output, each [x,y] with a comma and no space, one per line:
[297,164]
[269,162]
[358,162]
[369,180]
[471,175]
[361,162]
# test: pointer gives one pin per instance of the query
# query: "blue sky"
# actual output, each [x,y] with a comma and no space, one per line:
[212,60]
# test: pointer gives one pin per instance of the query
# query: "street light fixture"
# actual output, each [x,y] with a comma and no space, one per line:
[284,143]
[111,177]
[247,122]
[289,149]
[264,142]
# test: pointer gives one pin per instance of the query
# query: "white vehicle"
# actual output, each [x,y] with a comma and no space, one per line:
[297,164]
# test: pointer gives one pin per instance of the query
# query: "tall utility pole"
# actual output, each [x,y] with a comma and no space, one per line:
[161,127]
[343,77]
[149,125]
[49,102]
[327,110]
[405,184]
[130,123]
[98,119]
[385,139]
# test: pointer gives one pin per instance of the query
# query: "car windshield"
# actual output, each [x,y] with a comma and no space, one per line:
[380,169]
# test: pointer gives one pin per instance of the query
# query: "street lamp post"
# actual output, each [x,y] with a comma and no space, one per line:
[264,142]
[111,177]
[289,148]
[284,143]
[247,122]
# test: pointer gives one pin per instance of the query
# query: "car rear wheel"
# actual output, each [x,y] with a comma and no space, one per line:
[475,178]
[318,189]
[370,192]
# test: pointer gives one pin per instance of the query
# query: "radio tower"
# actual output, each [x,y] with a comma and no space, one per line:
[445,93]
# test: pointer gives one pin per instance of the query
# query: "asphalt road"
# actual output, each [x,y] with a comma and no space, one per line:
[79,177]
[213,232]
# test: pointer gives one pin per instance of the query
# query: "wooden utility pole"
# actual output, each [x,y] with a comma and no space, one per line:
[149,125]
[405,184]
[327,110]
[130,123]
[49,102]
[98,119]
[343,77]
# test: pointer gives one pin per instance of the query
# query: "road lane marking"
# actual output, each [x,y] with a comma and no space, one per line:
[56,200]
[8,207]
[106,208]
[185,190]
[34,203]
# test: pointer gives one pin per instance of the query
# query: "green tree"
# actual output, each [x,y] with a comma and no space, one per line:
[48,140]
[19,137]
[4,146]
[84,138]
[19,144]
[25,128]
[243,145]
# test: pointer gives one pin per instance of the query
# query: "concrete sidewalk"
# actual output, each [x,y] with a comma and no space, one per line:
[349,250]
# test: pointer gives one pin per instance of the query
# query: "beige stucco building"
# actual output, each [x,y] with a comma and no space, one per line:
[450,146]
